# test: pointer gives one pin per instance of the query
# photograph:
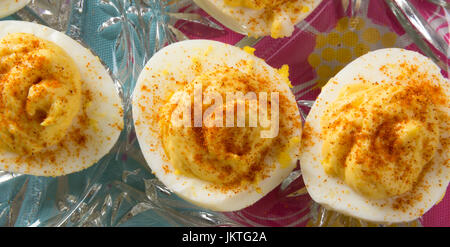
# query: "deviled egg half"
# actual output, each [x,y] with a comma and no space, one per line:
[376,141]
[9,7]
[60,111]
[259,18]
[217,125]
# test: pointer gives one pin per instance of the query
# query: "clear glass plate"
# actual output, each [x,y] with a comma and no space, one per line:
[121,191]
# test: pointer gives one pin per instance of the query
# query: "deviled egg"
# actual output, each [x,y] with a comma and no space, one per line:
[60,111]
[259,18]
[187,111]
[376,141]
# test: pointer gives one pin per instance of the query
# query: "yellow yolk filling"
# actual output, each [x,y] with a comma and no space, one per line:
[40,93]
[279,13]
[379,138]
[217,152]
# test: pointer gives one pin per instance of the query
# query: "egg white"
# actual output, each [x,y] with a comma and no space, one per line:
[9,7]
[246,20]
[334,194]
[104,111]
[163,70]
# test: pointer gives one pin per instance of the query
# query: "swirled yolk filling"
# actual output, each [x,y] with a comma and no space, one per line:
[226,156]
[40,93]
[378,138]
[281,14]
